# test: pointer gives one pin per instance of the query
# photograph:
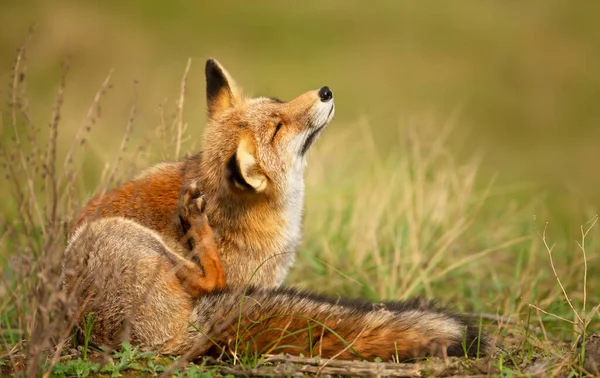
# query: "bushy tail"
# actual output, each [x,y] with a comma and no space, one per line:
[291,321]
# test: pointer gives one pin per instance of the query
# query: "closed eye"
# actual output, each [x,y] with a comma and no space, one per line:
[279,126]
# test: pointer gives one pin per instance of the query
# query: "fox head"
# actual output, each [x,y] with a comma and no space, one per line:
[257,146]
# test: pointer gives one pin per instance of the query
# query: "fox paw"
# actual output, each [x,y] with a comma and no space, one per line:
[192,206]
[191,203]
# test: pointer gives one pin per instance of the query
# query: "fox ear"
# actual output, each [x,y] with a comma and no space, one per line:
[221,90]
[243,171]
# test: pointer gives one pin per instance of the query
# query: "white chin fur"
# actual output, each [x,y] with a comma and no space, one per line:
[322,113]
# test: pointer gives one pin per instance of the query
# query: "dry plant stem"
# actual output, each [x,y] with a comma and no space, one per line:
[9,352]
[23,200]
[29,179]
[162,129]
[18,193]
[15,299]
[341,273]
[7,231]
[43,326]
[553,315]
[581,245]
[549,250]
[50,162]
[13,296]
[542,327]
[17,76]
[143,147]
[55,357]
[85,127]
[122,147]
[180,108]
[64,337]
[316,361]
[594,310]
[298,366]
[302,371]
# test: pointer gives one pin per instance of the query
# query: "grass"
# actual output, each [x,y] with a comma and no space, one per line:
[397,222]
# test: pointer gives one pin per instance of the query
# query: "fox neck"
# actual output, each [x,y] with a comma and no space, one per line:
[255,228]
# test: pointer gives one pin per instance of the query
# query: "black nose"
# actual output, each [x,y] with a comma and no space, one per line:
[325,94]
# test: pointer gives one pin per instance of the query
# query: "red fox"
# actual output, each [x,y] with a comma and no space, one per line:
[236,208]
[251,172]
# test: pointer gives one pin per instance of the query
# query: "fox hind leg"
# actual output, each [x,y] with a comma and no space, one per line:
[189,207]
[200,239]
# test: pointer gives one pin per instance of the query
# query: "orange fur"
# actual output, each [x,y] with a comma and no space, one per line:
[152,201]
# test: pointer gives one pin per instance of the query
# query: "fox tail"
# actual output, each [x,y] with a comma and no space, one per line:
[290,321]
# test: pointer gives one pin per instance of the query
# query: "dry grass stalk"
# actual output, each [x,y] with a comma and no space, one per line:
[50,185]
[179,117]
[110,181]
[94,112]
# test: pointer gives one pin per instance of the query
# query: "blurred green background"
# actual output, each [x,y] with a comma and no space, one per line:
[520,80]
